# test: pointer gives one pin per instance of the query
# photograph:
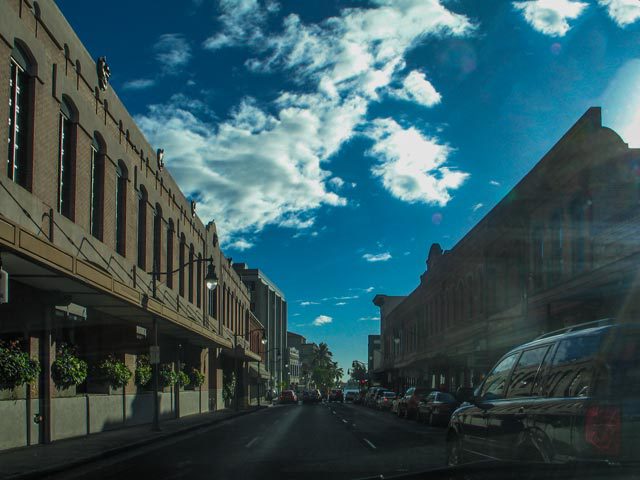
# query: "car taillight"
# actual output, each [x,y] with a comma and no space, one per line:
[602,429]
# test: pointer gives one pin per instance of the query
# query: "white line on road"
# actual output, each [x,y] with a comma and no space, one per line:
[344,421]
[369,443]
[333,411]
[251,442]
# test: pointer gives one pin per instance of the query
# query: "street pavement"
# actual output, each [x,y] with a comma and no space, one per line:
[336,441]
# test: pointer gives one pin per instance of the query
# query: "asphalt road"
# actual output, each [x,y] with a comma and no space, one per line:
[336,441]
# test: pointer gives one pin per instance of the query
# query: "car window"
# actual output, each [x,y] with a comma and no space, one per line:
[496,382]
[572,366]
[525,372]
[446,397]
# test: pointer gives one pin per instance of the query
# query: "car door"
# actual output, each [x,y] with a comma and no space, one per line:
[475,417]
[507,420]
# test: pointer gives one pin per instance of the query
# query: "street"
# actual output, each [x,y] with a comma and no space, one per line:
[337,441]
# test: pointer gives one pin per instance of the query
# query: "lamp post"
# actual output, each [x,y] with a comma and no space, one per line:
[263,341]
[211,282]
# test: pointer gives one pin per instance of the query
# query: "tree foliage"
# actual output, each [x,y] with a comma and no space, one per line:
[16,367]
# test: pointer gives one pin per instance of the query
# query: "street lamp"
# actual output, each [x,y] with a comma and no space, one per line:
[210,279]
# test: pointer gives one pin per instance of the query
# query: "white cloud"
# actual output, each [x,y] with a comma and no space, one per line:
[364,319]
[369,289]
[173,51]
[411,165]
[477,207]
[623,12]
[550,16]
[495,183]
[336,182]
[306,303]
[265,164]
[417,88]
[138,84]
[240,244]
[379,257]
[322,320]
[339,304]
[241,23]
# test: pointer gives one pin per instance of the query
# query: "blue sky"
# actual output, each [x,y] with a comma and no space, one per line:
[334,141]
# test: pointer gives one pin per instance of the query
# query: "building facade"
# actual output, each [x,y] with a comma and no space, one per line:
[561,248]
[270,307]
[293,368]
[106,256]
[374,353]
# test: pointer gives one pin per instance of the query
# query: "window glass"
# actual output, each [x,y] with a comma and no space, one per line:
[496,382]
[524,373]
[572,366]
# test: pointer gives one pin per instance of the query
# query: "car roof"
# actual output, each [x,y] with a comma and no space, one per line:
[580,332]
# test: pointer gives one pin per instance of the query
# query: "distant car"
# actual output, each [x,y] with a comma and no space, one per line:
[359,400]
[408,406]
[336,395]
[437,408]
[288,396]
[351,395]
[385,400]
[311,396]
[373,401]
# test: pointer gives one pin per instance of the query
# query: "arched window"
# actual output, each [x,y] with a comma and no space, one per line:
[121,207]
[98,153]
[181,257]
[20,116]
[199,281]
[142,227]
[67,131]
[580,213]
[157,240]
[191,257]
[170,234]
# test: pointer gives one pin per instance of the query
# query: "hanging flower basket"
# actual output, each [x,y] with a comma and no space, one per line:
[112,372]
[144,372]
[16,367]
[68,370]
[197,378]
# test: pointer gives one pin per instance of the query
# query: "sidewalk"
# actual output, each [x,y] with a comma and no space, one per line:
[39,460]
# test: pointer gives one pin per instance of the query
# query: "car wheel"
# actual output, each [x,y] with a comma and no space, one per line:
[455,451]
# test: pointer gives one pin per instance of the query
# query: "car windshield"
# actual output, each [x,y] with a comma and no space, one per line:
[318,239]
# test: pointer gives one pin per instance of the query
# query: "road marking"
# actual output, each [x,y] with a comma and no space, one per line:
[333,411]
[369,443]
[353,424]
[251,442]
[344,421]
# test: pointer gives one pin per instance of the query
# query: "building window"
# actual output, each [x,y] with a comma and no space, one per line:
[19,121]
[557,241]
[170,234]
[213,303]
[142,228]
[121,208]
[66,154]
[97,187]
[578,234]
[191,258]
[199,281]
[537,240]
[157,241]
[181,257]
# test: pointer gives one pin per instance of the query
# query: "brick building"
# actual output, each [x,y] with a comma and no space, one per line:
[561,248]
[88,213]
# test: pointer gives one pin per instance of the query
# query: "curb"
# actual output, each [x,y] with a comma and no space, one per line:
[112,452]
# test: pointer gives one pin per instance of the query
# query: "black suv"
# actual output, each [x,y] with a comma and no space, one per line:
[571,395]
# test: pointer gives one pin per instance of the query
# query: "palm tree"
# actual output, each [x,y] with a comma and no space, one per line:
[338,372]
[322,355]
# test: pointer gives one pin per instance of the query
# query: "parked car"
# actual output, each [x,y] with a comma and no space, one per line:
[385,399]
[351,395]
[311,396]
[359,400]
[396,401]
[372,399]
[288,396]
[336,395]
[567,396]
[437,408]
[408,406]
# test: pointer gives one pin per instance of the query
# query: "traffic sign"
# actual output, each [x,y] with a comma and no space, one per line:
[154,355]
